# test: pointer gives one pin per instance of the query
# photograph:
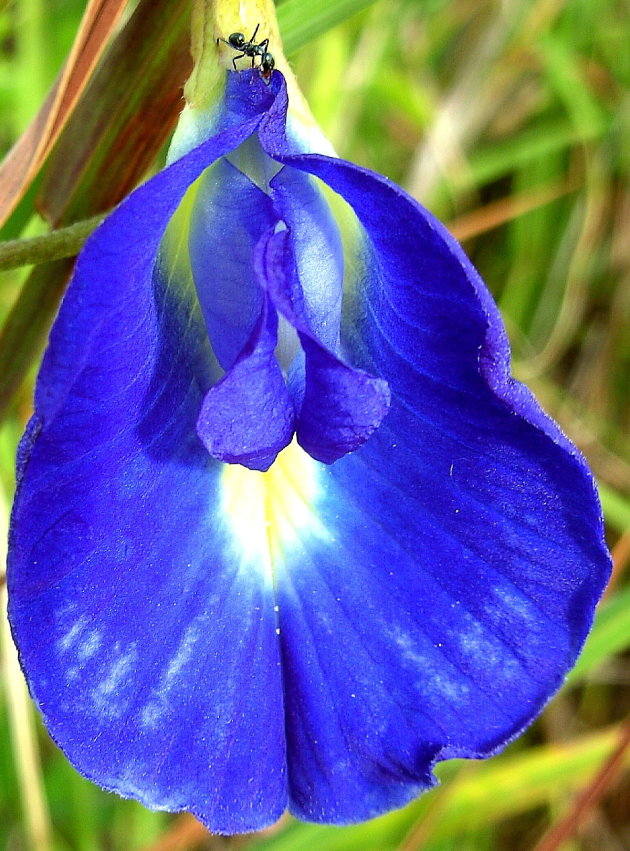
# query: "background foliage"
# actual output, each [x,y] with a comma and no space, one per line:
[510,121]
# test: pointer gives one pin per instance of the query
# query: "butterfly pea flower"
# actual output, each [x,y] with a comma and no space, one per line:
[287,533]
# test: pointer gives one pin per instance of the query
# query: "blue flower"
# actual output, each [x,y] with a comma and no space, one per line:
[409,580]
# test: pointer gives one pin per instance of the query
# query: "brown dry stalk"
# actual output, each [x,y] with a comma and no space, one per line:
[621,558]
[185,832]
[506,209]
[24,160]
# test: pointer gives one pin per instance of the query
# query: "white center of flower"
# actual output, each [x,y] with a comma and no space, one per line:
[271,514]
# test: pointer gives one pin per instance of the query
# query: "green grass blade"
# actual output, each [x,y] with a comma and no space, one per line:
[511,785]
[616,508]
[301,22]
[481,795]
[610,635]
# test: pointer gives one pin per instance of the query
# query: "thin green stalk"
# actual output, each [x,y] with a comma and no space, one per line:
[56,245]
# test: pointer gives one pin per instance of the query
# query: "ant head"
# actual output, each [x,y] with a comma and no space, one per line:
[236,40]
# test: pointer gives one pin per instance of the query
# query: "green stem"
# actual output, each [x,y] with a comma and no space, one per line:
[56,245]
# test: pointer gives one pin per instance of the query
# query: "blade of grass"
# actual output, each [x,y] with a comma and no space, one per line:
[616,507]
[470,104]
[22,213]
[34,808]
[423,827]
[497,213]
[22,728]
[30,60]
[621,558]
[123,119]
[587,800]
[514,784]
[301,22]
[552,135]
[26,327]
[610,635]
[482,795]
[185,832]
[563,68]
[28,154]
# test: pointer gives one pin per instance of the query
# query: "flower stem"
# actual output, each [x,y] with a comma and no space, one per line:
[56,245]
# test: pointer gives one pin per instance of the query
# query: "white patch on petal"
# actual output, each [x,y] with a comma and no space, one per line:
[72,636]
[89,645]
[154,712]
[72,675]
[112,693]
[486,652]
[269,514]
[504,602]
[432,670]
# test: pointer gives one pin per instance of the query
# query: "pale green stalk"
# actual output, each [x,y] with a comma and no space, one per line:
[22,726]
[60,243]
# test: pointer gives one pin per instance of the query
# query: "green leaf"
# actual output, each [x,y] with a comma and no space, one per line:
[616,507]
[24,332]
[610,635]
[122,120]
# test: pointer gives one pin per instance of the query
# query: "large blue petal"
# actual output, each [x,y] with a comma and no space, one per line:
[464,554]
[148,640]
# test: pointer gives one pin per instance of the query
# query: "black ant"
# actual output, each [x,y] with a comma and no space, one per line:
[249,48]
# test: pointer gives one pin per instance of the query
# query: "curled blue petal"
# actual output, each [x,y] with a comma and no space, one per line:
[340,407]
[317,252]
[248,416]
[230,214]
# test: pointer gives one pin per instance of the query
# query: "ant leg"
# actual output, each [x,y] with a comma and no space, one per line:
[240,56]
[251,41]
[264,44]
